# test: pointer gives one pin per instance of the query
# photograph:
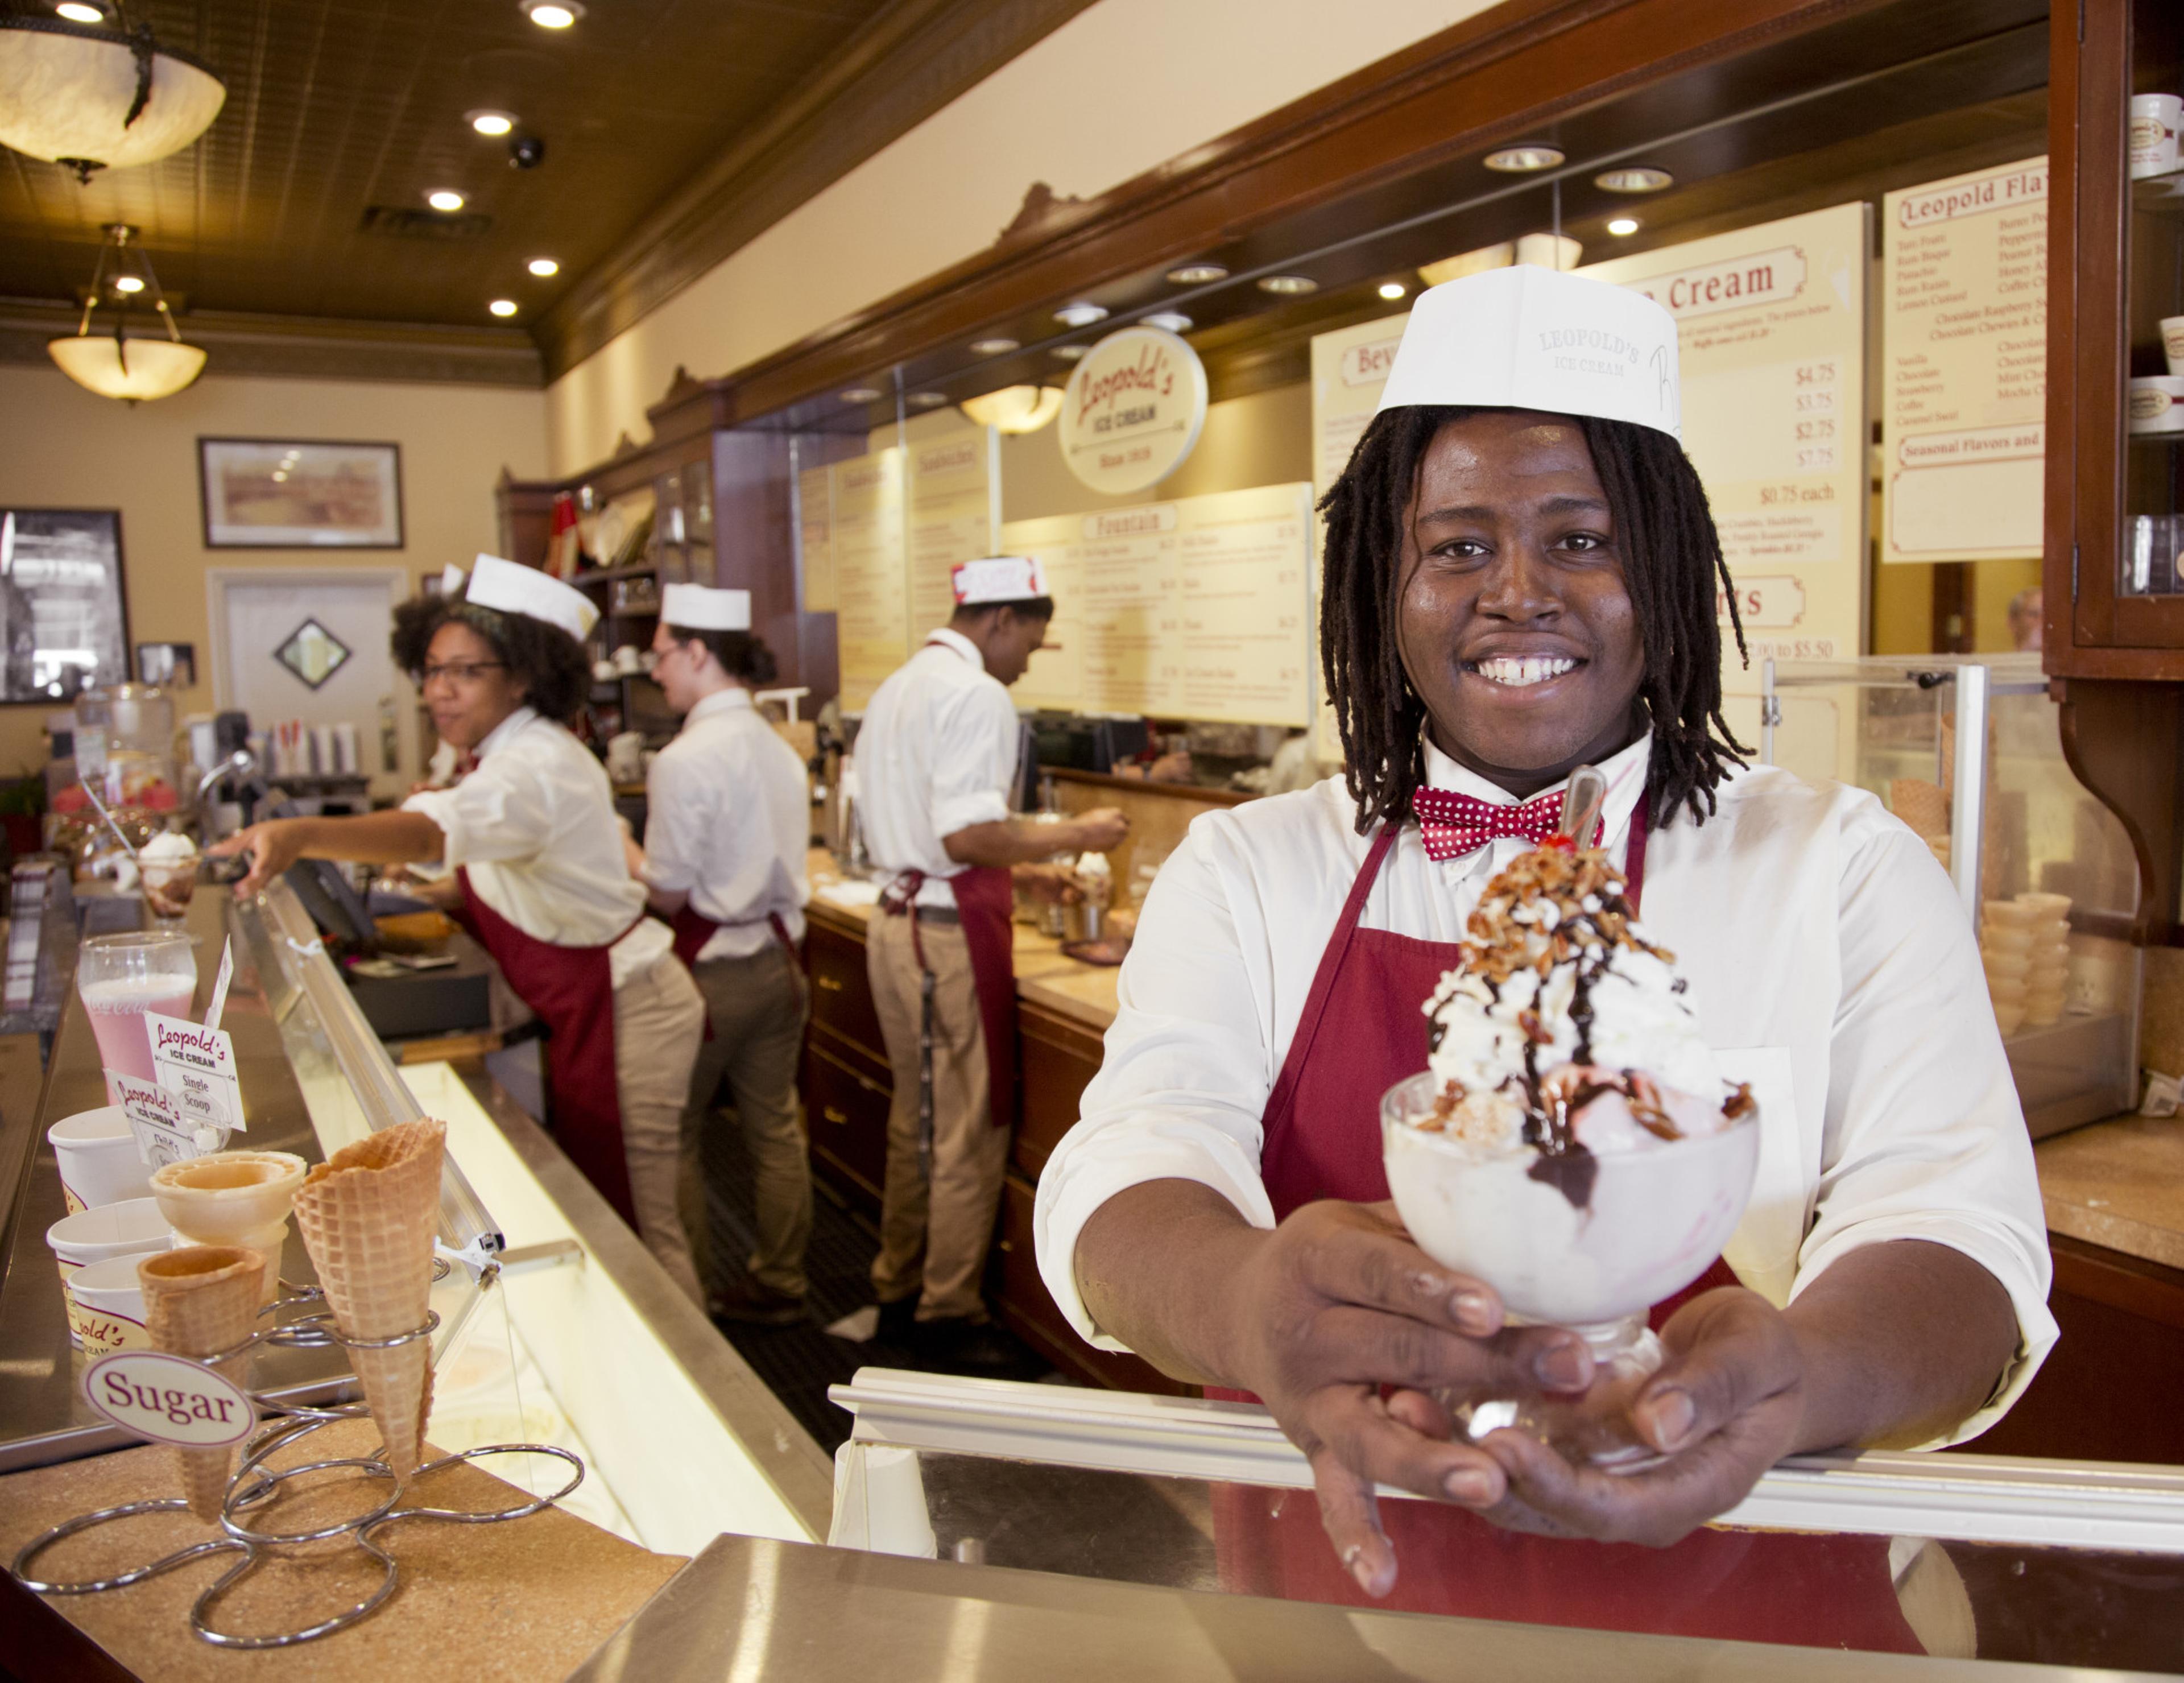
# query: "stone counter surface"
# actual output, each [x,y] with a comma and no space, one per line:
[2118,1184]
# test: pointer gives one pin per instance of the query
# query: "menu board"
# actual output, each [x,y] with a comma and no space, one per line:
[872,613]
[954,514]
[814,539]
[1964,288]
[1196,609]
[1770,336]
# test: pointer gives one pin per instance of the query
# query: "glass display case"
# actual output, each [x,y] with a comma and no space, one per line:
[2151,564]
[1969,754]
[555,1325]
[1957,1557]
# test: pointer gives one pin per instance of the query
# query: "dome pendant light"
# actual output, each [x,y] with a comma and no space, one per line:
[89,97]
[131,369]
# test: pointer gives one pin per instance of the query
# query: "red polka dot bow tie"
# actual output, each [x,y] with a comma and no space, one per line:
[1456,824]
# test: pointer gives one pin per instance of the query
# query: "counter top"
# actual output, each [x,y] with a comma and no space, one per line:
[2118,1184]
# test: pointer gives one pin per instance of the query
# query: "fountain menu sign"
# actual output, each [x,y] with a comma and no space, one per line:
[1965,292]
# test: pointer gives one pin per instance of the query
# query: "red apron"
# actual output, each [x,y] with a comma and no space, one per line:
[985,906]
[1357,1037]
[572,990]
[693,929]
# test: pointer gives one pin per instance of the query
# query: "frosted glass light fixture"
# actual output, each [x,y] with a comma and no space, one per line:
[115,366]
[96,97]
[1015,409]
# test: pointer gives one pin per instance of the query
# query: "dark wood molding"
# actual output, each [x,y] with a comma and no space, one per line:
[2124,741]
[308,347]
[907,63]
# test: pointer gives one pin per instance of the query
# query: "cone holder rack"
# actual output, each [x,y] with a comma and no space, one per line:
[254,1485]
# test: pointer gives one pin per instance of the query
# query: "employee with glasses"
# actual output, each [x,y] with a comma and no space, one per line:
[544,883]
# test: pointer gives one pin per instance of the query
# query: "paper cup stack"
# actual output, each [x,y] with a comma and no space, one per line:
[2024,945]
[198,1301]
[368,1216]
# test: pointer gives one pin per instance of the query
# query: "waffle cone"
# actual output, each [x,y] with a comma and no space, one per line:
[198,1302]
[1921,804]
[368,1216]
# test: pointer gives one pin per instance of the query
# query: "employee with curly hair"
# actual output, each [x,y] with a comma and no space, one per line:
[544,884]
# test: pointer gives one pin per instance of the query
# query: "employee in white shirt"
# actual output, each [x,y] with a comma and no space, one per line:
[935,758]
[1521,578]
[543,881]
[727,823]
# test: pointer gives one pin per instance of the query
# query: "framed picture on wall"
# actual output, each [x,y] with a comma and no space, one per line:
[173,665]
[63,614]
[278,493]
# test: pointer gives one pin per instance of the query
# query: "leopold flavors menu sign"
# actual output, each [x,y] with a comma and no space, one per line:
[1133,411]
[1963,423]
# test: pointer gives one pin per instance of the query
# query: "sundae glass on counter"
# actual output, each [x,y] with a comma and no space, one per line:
[1572,1142]
[169,865]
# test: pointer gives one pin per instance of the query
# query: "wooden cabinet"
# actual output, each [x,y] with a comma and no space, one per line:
[845,1107]
[1056,1059]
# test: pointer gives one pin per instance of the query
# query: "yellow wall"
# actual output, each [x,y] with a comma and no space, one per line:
[1124,86]
[60,447]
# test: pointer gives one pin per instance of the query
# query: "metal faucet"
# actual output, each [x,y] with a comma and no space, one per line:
[239,764]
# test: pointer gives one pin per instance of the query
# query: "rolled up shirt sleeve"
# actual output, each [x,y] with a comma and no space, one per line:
[975,760]
[1186,1074]
[1924,1135]
[500,813]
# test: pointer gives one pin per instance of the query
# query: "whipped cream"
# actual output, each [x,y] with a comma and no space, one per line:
[169,847]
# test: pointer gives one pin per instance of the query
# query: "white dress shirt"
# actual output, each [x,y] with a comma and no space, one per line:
[535,826]
[729,821]
[1829,961]
[937,754]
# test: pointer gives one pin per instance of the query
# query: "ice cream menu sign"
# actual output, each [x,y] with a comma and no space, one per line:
[872,615]
[955,516]
[1771,336]
[1198,608]
[1965,329]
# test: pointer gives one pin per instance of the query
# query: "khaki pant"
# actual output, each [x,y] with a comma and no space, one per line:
[758,1006]
[953,1220]
[658,1020]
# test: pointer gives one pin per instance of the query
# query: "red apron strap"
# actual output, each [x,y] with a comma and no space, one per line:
[1279,1101]
[1633,850]
[986,901]
[693,929]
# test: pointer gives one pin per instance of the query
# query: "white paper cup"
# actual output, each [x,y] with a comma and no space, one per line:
[99,1159]
[2154,120]
[2157,403]
[2172,341]
[106,1306]
[133,1228]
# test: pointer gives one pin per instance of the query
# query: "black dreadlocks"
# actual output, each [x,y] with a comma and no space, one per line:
[1671,565]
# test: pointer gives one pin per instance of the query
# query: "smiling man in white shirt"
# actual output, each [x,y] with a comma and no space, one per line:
[1521,578]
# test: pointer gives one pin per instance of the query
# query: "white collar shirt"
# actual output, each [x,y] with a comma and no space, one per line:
[534,828]
[937,754]
[1828,957]
[728,822]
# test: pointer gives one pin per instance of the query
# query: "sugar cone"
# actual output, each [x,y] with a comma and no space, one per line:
[368,1216]
[1921,804]
[198,1301]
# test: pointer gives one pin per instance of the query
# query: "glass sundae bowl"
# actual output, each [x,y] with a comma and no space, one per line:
[1584,1240]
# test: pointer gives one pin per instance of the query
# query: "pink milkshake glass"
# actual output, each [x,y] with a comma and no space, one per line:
[121,976]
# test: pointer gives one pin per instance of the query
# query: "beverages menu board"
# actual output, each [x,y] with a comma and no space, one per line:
[814,538]
[1771,339]
[955,516]
[1196,609]
[1965,289]
[872,614]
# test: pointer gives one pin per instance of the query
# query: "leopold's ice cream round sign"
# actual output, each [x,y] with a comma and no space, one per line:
[1133,411]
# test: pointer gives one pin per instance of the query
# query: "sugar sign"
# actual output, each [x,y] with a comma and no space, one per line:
[168,1398]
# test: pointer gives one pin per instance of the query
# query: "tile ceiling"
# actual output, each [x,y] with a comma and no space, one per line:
[335,106]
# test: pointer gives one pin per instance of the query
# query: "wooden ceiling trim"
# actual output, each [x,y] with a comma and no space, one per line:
[1494,77]
[309,347]
[907,63]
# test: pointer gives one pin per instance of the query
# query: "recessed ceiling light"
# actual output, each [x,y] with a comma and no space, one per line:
[1640,179]
[128,283]
[1197,274]
[1171,321]
[861,394]
[543,266]
[1288,286]
[1391,289]
[1516,160]
[926,399]
[1620,225]
[447,199]
[1080,314]
[502,306]
[994,347]
[552,14]
[77,13]
[1073,353]
[494,123]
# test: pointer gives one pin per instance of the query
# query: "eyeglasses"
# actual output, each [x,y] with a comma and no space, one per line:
[460,671]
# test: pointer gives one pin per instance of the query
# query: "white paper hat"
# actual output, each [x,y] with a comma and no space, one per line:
[1527,337]
[998,579]
[451,579]
[698,608]
[513,589]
